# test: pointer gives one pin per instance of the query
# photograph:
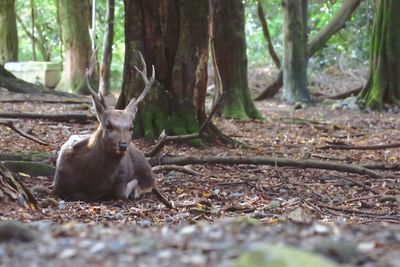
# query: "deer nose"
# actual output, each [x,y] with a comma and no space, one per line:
[123,146]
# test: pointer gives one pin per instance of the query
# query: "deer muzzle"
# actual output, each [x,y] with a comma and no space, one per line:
[123,146]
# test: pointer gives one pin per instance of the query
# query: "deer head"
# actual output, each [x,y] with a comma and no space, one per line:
[115,129]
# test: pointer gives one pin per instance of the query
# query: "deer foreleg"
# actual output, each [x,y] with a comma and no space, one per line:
[132,185]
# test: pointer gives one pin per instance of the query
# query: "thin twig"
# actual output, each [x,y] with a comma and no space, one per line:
[353,211]
[351,147]
[10,124]
[157,169]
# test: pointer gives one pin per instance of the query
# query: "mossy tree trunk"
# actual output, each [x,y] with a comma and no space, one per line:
[173,36]
[295,56]
[105,65]
[8,32]
[74,18]
[383,85]
[229,42]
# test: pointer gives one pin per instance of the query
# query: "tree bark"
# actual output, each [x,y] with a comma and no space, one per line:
[317,42]
[229,43]
[267,36]
[383,84]
[172,36]
[105,65]
[295,51]
[77,46]
[8,32]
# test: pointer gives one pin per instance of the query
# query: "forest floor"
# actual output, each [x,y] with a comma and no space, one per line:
[226,209]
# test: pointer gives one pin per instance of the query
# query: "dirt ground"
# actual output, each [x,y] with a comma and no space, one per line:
[288,203]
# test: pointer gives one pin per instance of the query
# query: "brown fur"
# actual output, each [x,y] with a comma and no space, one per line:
[98,167]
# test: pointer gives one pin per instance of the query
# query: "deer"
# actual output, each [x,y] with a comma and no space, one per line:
[105,165]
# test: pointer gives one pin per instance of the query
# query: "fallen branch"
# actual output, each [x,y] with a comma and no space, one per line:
[382,167]
[351,147]
[43,98]
[305,164]
[30,167]
[366,187]
[78,117]
[353,211]
[157,169]
[342,95]
[10,124]
[28,156]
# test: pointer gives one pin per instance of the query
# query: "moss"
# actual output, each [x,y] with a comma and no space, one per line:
[383,86]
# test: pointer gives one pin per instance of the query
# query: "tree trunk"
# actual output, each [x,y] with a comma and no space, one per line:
[317,42]
[230,55]
[173,36]
[295,51]
[105,66]
[8,32]
[75,29]
[383,85]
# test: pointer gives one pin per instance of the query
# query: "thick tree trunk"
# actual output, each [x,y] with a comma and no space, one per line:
[229,42]
[173,36]
[383,85]
[105,66]
[75,29]
[8,32]
[317,42]
[295,51]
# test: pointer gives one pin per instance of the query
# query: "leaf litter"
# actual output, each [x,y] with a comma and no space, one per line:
[226,208]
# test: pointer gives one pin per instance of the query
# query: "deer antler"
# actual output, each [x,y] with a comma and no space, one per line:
[133,105]
[98,98]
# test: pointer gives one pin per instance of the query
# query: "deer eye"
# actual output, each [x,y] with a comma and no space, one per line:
[109,126]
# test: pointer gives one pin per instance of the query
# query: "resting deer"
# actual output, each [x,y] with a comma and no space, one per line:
[106,165]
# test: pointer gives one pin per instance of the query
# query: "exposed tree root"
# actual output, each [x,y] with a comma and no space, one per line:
[305,164]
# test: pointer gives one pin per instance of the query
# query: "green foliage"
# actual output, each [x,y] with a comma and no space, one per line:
[46,23]
[350,45]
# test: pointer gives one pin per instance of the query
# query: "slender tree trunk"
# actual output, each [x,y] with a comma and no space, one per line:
[105,66]
[317,42]
[32,4]
[229,41]
[8,32]
[77,46]
[383,85]
[267,36]
[173,36]
[295,51]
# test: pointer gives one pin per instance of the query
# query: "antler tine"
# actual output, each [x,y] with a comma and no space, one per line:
[89,72]
[148,84]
